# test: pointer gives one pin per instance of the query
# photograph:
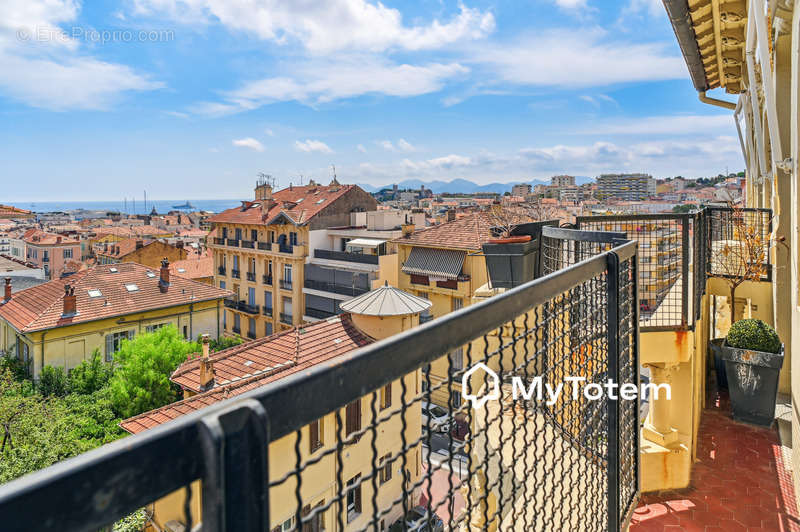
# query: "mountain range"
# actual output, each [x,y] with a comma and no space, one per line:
[464,186]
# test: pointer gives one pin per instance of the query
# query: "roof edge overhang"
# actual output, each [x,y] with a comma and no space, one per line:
[678,12]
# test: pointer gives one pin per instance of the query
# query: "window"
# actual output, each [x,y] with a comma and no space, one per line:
[268,329]
[292,238]
[458,303]
[251,326]
[95,293]
[269,268]
[222,284]
[287,273]
[457,359]
[271,236]
[225,233]
[252,265]
[315,435]
[386,396]
[386,469]
[238,233]
[285,526]
[185,332]
[353,498]
[154,327]
[353,418]
[268,299]
[237,325]
[131,287]
[114,342]
[253,235]
[251,296]
[68,253]
[455,399]
[236,262]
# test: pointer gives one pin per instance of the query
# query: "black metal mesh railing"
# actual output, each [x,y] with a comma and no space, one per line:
[724,228]
[385,438]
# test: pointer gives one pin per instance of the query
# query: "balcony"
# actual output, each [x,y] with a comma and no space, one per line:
[344,290]
[45,259]
[286,284]
[264,246]
[221,270]
[320,314]
[219,241]
[267,311]
[251,335]
[425,318]
[235,274]
[345,256]
[286,318]
[251,276]
[236,330]
[230,303]
[249,244]
[247,308]
[267,279]
[232,242]
[595,444]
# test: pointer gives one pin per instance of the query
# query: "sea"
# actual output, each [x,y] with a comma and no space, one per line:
[161,206]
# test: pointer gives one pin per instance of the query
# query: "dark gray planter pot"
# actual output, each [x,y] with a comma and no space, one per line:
[752,383]
[719,365]
[511,265]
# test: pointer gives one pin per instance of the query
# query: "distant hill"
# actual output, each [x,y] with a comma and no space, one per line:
[464,186]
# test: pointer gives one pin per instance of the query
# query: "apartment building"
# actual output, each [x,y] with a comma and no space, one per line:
[561,181]
[260,251]
[444,265]
[60,323]
[5,243]
[626,187]
[343,262]
[147,252]
[521,189]
[266,362]
[50,251]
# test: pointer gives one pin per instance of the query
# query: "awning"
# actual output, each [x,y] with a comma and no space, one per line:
[365,242]
[445,263]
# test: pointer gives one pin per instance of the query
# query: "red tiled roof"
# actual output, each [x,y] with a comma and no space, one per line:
[40,307]
[10,210]
[194,268]
[300,204]
[469,232]
[255,364]
[38,237]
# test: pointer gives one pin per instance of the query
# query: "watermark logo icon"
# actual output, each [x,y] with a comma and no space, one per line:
[492,381]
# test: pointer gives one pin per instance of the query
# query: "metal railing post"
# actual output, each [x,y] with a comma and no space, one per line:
[685,271]
[612,332]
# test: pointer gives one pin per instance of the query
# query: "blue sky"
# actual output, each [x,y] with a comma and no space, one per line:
[192,98]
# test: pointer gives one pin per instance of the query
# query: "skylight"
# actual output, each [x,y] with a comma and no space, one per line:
[95,293]
[320,201]
[300,200]
[113,270]
[181,270]
[131,287]
[150,274]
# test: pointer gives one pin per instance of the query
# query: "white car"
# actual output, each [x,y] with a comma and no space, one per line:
[439,419]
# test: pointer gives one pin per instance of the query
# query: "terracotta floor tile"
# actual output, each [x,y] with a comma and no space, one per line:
[739,483]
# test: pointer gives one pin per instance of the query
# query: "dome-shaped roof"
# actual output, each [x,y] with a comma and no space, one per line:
[386,301]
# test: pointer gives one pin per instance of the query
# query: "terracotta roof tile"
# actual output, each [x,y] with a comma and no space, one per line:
[197,267]
[38,237]
[299,204]
[40,307]
[273,358]
[469,232]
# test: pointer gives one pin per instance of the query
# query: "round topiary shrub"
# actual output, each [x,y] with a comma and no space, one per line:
[755,335]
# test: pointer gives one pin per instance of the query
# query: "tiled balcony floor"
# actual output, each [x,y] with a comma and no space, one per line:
[739,483]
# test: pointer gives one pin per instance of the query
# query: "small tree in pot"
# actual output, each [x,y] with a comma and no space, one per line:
[753,356]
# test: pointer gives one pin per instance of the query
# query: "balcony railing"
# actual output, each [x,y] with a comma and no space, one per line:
[249,244]
[236,274]
[286,284]
[267,279]
[267,311]
[286,318]
[251,335]
[316,313]
[345,290]
[233,242]
[219,241]
[246,307]
[236,330]
[221,270]
[345,256]
[264,246]
[230,303]
[251,276]
[522,456]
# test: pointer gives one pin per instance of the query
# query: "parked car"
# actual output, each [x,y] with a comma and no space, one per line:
[439,419]
[418,520]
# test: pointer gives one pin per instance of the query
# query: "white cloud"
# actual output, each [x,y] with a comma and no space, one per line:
[312,146]
[361,148]
[405,146]
[593,57]
[269,132]
[248,142]
[571,5]
[316,82]
[386,145]
[42,66]
[325,27]
[662,125]
[402,145]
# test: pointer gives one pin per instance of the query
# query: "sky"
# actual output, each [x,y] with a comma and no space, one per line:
[193,98]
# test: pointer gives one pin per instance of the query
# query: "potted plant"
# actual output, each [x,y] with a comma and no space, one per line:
[737,253]
[753,356]
[510,258]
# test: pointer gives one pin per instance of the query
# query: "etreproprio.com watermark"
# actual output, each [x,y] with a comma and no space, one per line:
[92,35]
[575,387]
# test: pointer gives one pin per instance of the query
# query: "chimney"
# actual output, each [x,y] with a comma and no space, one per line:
[58,240]
[206,367]
[264,195]
[407,229]
[70,302]
[179,244]
[7,296]
[163,282]
[139,244]
[451,215]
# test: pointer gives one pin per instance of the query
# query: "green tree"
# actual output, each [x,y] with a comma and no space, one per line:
[684,208]
[144,365]
[53,381]
[224,343]
[90,375]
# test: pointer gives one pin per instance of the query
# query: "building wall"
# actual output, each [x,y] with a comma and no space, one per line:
[69,346]
[55,257]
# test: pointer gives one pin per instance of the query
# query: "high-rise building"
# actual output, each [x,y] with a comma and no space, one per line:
[628,187]
[561,181]
[521,189]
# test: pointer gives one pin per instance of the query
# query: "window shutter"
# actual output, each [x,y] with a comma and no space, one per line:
[109,346]
[313,436]
[358,497]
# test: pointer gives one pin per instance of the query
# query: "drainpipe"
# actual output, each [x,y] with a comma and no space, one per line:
[715,101]
[736,114]
[766,81]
